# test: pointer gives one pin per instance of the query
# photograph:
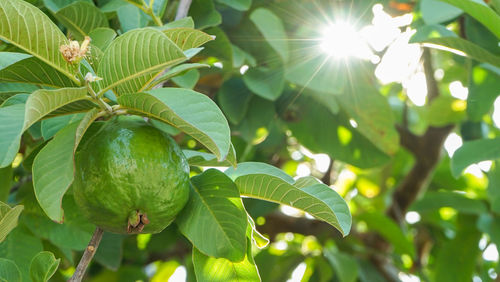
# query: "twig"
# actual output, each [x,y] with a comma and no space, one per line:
[87,256]
[182,9]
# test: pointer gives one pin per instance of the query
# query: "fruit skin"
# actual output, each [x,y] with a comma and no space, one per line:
[129,169]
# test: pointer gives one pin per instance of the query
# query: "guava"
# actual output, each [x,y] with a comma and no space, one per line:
[130,177]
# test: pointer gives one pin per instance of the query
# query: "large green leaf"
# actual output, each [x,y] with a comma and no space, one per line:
[8,219]
[480,12]
[30,29]
[12,118]
[9,271]
[110,250]
[6,179]
[483,90]
[265,82]
[372,113]
[214,219]
[470,49]
[177,70]
[346,267]
[43,266]
[134,59]
[131,17]
[81,18]
[240,5]
[432,201]
[273,30]
[234,99]
[197,158]
[74,234]
[53,168]
[187,38]
[204,13]
[33,70]
[43,102]
[388,229]
[189,111]
[9,58]
[21,246]
[220,269]
[434,11]
[318,129]
[473,152]
[461,251]
[265,182]
[102,37]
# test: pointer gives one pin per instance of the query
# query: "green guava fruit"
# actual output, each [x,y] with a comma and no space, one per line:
[130,177]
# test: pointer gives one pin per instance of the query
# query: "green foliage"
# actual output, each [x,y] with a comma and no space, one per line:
[278,128]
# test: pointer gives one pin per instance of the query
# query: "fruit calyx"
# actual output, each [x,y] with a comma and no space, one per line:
[136,221]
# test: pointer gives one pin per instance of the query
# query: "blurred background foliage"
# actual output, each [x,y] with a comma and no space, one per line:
[347,91]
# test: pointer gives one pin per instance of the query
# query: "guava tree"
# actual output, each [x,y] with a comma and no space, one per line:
[216,140]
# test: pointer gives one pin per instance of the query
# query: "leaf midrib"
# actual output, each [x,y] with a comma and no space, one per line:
[138,74]
[213,215]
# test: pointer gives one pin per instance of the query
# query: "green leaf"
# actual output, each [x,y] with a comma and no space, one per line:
[12,118]
[9,58]
[196,158]
[52,125]
[8,219]
[204,14]
[265,182]
[34,71]
[346,267]
[187,38]
[470,49]
[43,266]
[131,17]
[176,107]
[30,29]
[110,250]
[473,152]
[273,30]
[21,246]
[265,82]
[53,168]
[6,179]
[177,70]
[102,37]
[219,269]
[432,201]
[435,11]
[319,130]
[480,12]
[187,80]
[43,102]
[461,251]
[234,99]
[372,113]
[74,234]
[220,48]
[134,59]
[20,98]
[81,18]
[240,5]
[388,229]
[56,5]
[444,110]
[9,271]
[214,219]
[184,22]
[483,90]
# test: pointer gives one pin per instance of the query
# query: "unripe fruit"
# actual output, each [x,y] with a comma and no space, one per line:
[130,177]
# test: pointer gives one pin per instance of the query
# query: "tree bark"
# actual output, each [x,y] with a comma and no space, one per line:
[87,256]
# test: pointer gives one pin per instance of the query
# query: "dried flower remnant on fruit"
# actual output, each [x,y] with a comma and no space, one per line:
[73,53]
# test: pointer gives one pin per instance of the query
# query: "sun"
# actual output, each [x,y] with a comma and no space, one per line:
[342,40]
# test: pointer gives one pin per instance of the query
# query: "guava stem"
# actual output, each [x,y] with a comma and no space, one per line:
[87,256]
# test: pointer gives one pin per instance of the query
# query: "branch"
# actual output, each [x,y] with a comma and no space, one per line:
[87,256]
[432,85]
[182,9]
